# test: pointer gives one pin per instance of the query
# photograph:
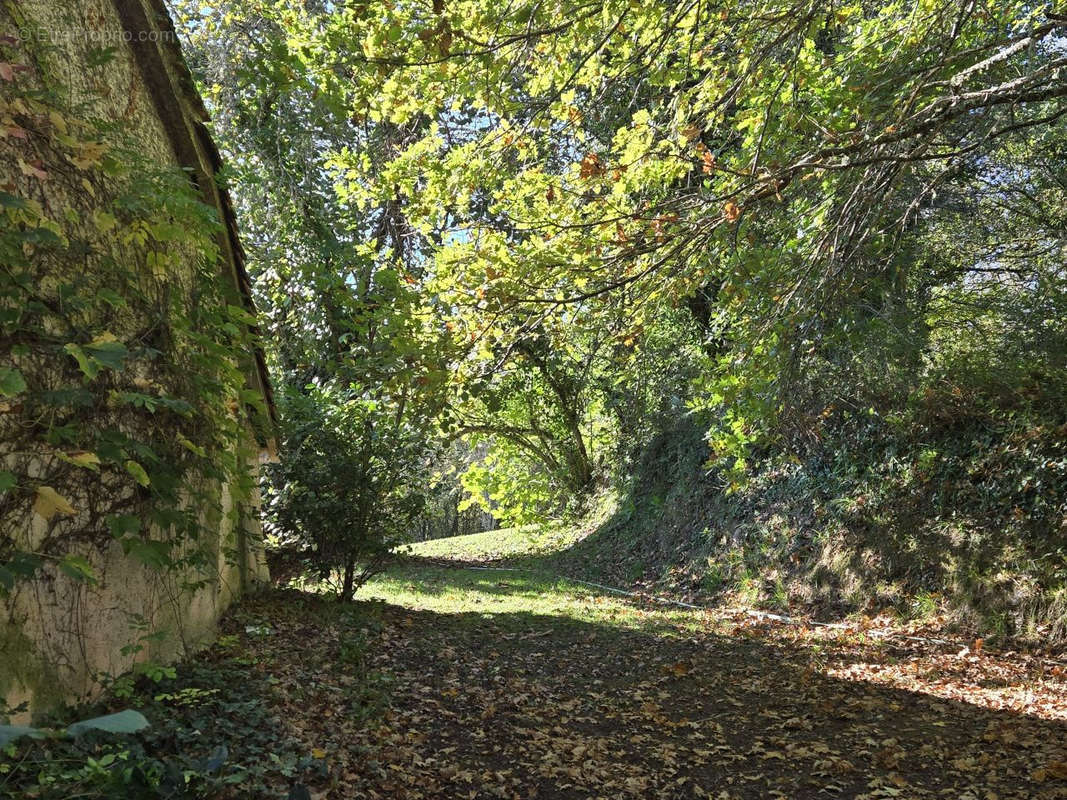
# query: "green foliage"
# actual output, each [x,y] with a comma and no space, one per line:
[757,156]
[348,484]
[540,422]
[125,364]
[203,731]
[357,354]
[834,233]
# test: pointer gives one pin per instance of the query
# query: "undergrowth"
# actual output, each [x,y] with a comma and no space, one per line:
[212,734]
[934,515]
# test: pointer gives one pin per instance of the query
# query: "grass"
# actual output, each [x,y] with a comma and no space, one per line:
[583,691]
[471,669]
[505,544]
[422,582]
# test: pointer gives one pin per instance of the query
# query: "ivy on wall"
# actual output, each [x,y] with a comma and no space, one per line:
[123,402]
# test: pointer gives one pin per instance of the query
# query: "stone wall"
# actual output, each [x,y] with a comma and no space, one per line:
[63,636]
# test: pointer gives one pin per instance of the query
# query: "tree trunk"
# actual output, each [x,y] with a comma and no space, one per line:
[347,588]
[581,467]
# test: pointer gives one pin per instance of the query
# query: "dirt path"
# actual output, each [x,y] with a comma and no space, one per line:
[467,684]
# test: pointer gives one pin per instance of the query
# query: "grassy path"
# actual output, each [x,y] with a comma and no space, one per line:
[447,681]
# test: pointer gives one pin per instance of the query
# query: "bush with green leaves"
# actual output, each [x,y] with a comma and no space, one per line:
[350,482]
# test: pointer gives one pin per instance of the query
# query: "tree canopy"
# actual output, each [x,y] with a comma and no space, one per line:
[549,229]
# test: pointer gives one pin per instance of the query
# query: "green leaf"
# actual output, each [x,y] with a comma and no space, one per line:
[11,382]
[76,567]
[7,481]
[150,552]
[122,525]
[138,473]
[11,201]
[104,221]
[109,354]
[87,365]
[128,721]
[192,448]
[112,298]
[42,237]
[22,565]
[238,314]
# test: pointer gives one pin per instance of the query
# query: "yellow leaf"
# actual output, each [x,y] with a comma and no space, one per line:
[103,221]
[138,472]
[49,502]
[89,156]
[318,752]
[57,121]
[103,338]
[83,458]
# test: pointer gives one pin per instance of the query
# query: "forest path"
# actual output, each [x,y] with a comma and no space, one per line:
[458,682]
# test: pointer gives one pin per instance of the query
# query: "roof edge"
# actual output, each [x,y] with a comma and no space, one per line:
[181,110]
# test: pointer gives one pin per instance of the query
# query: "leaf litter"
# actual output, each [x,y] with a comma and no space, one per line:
[454,684]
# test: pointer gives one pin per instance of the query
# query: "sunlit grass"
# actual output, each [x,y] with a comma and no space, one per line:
[519,597]
[492,593]
[496,545]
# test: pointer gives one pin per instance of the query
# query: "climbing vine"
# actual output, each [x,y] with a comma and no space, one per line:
[123,399]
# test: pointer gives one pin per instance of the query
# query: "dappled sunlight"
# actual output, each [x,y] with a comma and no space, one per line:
[1027,683]
[857,650]
[525,687]
[490,592]
[502,544]
[746,322]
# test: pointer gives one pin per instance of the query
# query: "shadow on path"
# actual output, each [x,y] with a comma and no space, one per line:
[531,705]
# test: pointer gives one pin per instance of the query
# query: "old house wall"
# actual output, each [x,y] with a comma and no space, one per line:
[94,101]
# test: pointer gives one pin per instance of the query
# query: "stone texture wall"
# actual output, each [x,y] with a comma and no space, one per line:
[60,638]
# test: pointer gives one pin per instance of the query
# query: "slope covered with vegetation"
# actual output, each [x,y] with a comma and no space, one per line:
[940,524]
